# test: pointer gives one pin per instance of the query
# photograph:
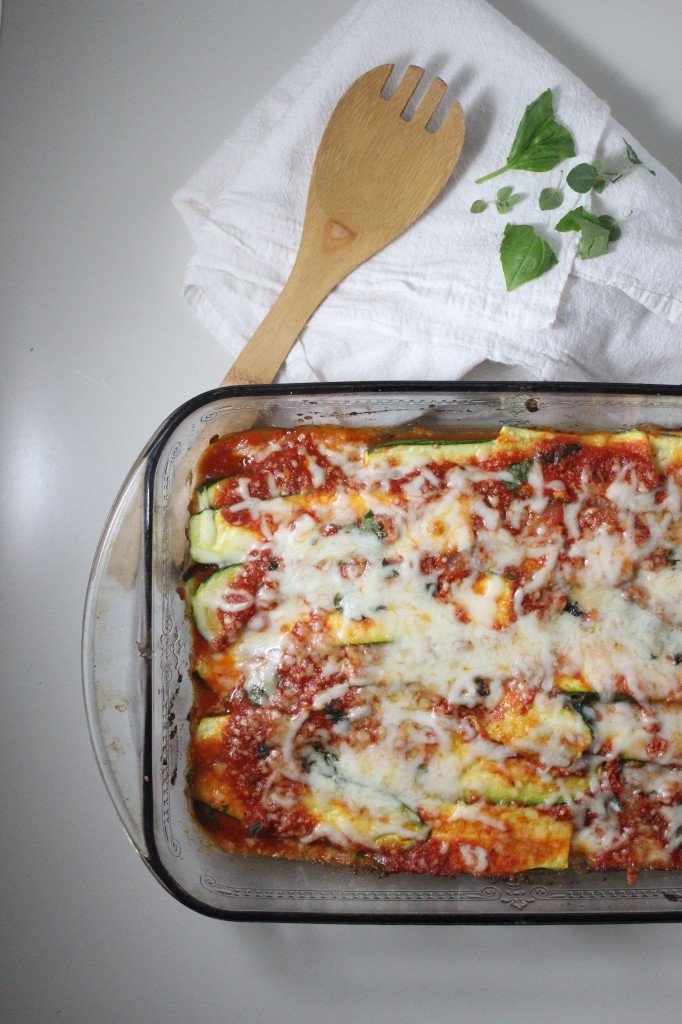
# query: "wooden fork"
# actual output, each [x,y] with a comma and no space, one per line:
[375,172]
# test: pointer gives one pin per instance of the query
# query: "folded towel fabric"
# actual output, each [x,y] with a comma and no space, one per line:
[433,303]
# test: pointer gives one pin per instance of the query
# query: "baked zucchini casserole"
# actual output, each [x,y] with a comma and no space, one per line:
[435,655]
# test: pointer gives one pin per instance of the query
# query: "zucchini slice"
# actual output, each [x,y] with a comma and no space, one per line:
[208,601]
[209,496]
[210,729]
[548,728]
[375,819]
[633,733]
[210,784]
[518,781]
[215,669]
[666,450]
[214,541]
[526,441]
[493,840]
[413,454]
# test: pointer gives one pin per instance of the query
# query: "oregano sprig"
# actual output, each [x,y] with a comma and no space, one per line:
[634,160]
[504,201]
[584,177]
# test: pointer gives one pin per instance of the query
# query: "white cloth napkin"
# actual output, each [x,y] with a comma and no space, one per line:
[433,304]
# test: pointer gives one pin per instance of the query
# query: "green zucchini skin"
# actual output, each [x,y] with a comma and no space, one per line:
[208,496]
[207,600]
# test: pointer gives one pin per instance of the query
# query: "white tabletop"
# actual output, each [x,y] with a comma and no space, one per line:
[103,115]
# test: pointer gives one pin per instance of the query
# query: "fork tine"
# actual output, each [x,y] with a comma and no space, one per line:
[432,98]
[406,86]
[453,122]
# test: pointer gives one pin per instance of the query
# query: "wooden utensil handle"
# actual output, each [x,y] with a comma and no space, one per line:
[263,355]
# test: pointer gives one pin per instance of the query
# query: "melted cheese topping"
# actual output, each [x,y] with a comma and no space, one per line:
[424,616]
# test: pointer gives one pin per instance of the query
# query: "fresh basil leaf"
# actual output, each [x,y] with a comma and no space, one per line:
[334,711]
[634,159]
[550,198]
[518,472]
[478,206]
[324,761]
[582,177]
[370,524]
[540,142]
[524,255]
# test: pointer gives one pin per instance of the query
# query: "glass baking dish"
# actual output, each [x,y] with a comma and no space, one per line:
[138,692]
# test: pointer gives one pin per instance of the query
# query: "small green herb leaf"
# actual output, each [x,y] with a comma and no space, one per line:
[505,199]
[323,761]
[595,232]
[334,711]
[518,472]
[540,142]
[257,694]
[634,159]
[594,241]
[370,524]
[550,198]
[506,204]
[524,255]
[613,226]
[573,220]
[582,177]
